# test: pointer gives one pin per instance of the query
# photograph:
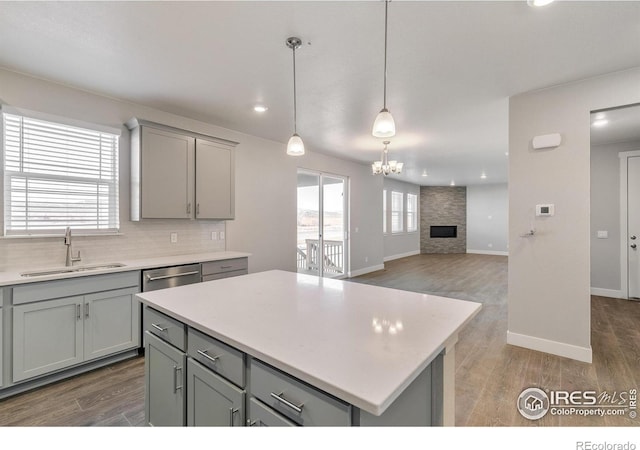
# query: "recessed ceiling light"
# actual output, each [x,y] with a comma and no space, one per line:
[599,123]
[260,108]
[424,173]
[483,176]
[453,183]
[506,153]
[539,3]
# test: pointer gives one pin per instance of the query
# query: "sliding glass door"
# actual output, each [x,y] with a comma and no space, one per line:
[322,224]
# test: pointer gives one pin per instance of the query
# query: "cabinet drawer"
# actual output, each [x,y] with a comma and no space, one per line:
[261,415]
[217,356]
[165,327]
[297,401]
[225,265]
[219,276]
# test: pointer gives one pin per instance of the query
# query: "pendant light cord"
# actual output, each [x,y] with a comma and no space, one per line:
[386,7]
[295,112]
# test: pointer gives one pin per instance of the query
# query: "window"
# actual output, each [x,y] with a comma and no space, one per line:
[397,200]
[384,211]
[412,212]
[56,176]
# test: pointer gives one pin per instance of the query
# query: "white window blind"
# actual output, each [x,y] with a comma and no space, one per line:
[397,200]
[412,212]
[56,176]
[384,211]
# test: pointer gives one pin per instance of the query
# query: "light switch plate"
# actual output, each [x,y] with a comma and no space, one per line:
[222,235]
[174,237]
[214,235]
[603,234]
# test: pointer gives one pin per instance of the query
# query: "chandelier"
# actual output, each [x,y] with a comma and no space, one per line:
[384,166]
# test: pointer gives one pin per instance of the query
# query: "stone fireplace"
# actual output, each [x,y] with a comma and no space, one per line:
[443,219]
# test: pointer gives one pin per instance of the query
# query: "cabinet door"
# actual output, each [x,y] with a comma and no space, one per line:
[261,415]
[211,400]
[166,174]
[47,336]
[215,180]
[1,347]
[164,378]
[111,322]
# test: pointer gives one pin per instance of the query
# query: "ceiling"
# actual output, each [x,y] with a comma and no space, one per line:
[451,67]
[616,125]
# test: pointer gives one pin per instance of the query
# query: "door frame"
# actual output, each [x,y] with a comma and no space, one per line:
[624,257]
[347,216]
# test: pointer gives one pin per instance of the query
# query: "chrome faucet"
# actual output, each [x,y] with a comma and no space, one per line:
[67,241]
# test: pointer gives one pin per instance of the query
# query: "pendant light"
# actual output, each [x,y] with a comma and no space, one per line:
[295,147]
[384,125]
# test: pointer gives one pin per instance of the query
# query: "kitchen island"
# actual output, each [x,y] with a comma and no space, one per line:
[283,348]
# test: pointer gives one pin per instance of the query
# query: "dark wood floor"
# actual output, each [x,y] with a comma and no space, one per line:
[489,373]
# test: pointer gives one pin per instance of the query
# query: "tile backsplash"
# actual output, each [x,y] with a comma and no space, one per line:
[145,239]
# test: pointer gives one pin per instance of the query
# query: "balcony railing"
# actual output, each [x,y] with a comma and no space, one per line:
[308,256]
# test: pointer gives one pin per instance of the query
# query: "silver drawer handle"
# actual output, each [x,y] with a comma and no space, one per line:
[159,328]
[204,353]
[175,275]
[284,401]
[226,267]
[232,411]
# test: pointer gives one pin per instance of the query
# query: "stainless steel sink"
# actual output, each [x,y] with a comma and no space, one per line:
[63,270]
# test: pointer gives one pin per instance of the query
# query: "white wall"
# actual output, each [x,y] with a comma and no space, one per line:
[605,216]
[401,244]
[549,274]
[488,219]
[265,192]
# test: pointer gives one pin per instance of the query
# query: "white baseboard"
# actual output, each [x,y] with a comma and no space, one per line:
[555,348]
[401,255]
[606,292]
[488,252]
[357,273]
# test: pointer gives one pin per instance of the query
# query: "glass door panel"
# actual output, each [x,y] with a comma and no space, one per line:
[333,225]
[308,243]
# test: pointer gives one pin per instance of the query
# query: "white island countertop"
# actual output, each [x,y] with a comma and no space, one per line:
[363,344]
[14,276]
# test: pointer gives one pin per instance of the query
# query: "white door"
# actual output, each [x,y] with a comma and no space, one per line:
[633,225]
[322,223]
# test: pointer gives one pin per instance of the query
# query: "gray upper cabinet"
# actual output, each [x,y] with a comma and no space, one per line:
[1,347]
[179,174]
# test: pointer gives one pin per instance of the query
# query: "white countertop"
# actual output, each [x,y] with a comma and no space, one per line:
[335,335]
[13,277]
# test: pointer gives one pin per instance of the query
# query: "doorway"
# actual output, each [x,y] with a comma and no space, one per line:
[615,202]
[630,220]
[322,224]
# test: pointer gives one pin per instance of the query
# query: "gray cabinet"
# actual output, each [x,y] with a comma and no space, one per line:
[63,323]
[215,270]
[212,400]
[261,415]
[1,347]
[165,383]
[179,174]
[111,323]
[47,336]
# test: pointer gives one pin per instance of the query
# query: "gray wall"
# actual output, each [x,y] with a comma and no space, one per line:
[488,218]
[265,222]
[402,244]
[443,205]
[549,274]
[605,214]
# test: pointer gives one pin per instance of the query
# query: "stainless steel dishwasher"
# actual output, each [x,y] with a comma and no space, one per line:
[167,277]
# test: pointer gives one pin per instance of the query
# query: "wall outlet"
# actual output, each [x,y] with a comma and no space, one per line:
[222,235]
[366,259]
[214,235]
[174,237]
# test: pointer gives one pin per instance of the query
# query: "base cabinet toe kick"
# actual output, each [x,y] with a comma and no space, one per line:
[193,379]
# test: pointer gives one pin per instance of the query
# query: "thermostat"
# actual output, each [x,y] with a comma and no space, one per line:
[544,210]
